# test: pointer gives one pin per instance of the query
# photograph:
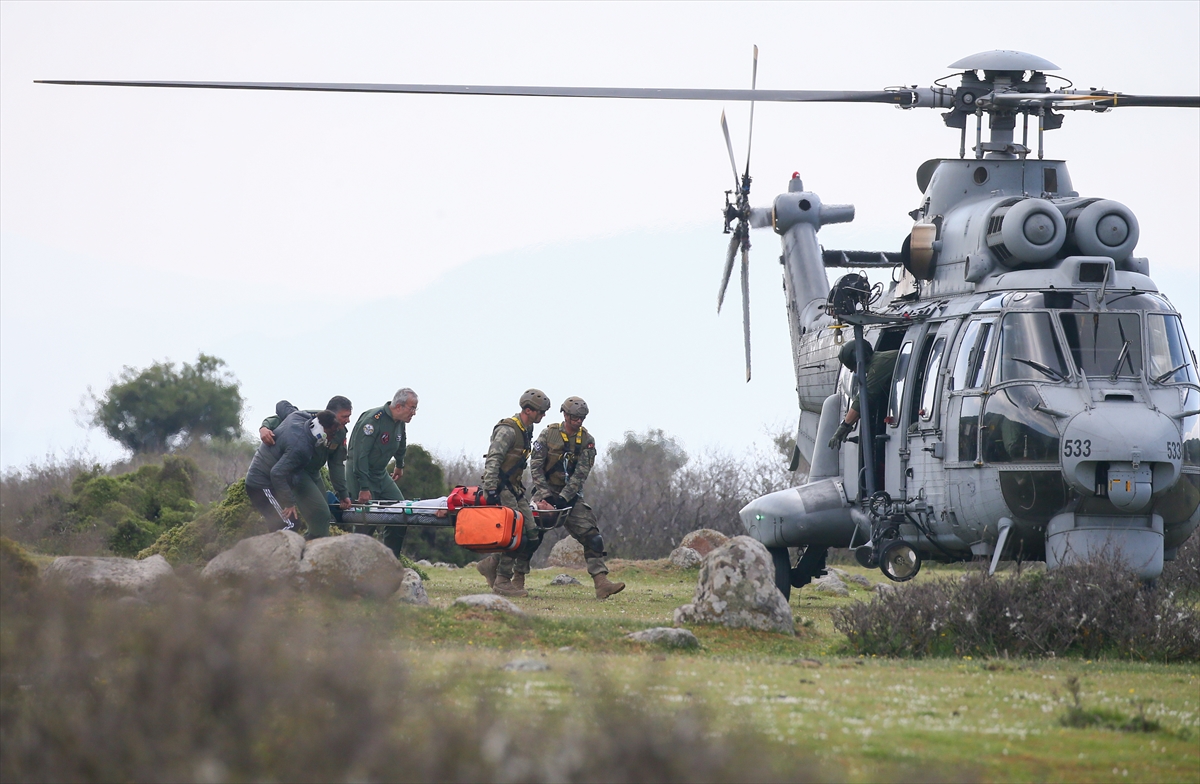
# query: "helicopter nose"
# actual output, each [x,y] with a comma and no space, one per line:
[1121,450]
[816,513]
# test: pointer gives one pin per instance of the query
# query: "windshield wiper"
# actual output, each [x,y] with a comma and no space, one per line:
[1169,373]
[1120,359]
[1044,369]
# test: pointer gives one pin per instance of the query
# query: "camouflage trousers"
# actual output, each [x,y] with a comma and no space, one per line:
[519,561]
[581,525]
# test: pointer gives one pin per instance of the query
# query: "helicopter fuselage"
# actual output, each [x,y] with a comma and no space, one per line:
[1045,403]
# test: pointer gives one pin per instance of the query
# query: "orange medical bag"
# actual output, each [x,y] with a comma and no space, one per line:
[488,529]
[462,496]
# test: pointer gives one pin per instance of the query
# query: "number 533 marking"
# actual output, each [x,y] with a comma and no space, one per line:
[1077,448]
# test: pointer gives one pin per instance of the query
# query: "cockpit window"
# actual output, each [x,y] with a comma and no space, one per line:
[971,360]
[1029,350]
[1169,359]
[1015,431]
[1104,344]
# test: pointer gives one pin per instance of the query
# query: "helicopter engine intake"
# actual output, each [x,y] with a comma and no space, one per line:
[1026,231]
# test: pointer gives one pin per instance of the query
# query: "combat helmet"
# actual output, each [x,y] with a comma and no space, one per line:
[535,399]
[849,358]
[574,406]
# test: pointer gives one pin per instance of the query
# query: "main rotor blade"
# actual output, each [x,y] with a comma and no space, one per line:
[730,254]
[899,97]
[753,84]
[746,305]
[1096,100]
[729,147]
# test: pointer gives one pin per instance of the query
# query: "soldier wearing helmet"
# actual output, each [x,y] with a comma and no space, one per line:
[880,366]
[562,459]
[504,482]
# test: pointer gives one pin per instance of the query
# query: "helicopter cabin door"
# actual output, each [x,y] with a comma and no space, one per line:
[892,433]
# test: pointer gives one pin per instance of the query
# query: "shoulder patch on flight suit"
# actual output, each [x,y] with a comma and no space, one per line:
[368,429]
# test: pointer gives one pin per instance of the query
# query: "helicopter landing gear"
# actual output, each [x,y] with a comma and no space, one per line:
[783,568]
[899,561]
[810,566]
[865,556]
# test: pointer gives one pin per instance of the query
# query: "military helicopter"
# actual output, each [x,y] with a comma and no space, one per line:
[1044,402]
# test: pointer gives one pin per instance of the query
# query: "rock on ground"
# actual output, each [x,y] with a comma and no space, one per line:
[412,590]
[685,558]
[830,583]
[353,564]
[490,601]
[857,579]
[270,559]
[704,540]
[526,665]
[665,635]
[737,588]
[110,576]
[565,579]
[567,553]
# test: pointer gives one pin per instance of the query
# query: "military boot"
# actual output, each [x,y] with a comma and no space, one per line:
[504,587]
[518,579]
[487,567]
[605,587]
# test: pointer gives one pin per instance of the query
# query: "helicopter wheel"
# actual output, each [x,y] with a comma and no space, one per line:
[899,561]
[865,556]
[783,570]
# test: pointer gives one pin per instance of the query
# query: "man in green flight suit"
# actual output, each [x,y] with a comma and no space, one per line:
[504,483]
[562,459]
[880,366]
[378,436]
[308,486]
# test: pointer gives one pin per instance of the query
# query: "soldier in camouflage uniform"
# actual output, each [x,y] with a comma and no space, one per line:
[880,366]
[562,459]
[308,486]
[504,483]
[378,436]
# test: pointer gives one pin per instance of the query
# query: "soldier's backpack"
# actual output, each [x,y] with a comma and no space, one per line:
[488,529]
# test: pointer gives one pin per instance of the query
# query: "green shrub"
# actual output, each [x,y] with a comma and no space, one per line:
[217,529]
[18,572]
[1095,609]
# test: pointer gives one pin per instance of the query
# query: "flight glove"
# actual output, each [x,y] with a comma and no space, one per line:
[840,434]
[493,498]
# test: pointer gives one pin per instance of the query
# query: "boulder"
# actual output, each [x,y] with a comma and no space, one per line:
[704,540]
[737,588]
[830,583]
[489,601]
[564,579]
[567,554]
[666,636]
[412,590]
[353,564]
[110,576]
[685,558]
[857,579]
[270,559]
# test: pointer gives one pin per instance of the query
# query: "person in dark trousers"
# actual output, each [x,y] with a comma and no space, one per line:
[275,466]
[309,487]
[880,366]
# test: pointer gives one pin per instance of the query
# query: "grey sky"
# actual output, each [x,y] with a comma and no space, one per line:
[352,244]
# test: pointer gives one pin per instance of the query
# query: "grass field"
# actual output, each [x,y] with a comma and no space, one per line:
[995,720]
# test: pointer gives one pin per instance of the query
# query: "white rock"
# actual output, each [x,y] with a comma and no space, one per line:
[490,601]
[526,665]
[412,590]
[830,583]
[351,564]
[665,635]
[423,562]
[270,559]
[685,558]
[443,565]
[110,576]
[737,588]
[567,553]
[564,579]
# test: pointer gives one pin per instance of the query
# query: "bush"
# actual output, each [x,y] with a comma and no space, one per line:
[1182,575]
[1091,610]
[218,529]
[18,572]
[204,690]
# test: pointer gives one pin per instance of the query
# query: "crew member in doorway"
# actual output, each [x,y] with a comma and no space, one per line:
[880,366]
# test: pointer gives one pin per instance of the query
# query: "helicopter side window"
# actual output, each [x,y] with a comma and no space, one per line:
[1029,350]
[1014,431]
[1191,429]
[1168,359]
[972,354]
[929,390]
[1104,344]
[968,429]
[982,352]
[898,378]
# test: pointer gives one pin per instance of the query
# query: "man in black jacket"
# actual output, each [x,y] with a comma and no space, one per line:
[275,466]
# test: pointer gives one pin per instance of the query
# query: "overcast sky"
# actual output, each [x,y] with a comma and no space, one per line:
[471,247]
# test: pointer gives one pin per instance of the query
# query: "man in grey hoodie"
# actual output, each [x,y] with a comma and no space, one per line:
[275,466]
